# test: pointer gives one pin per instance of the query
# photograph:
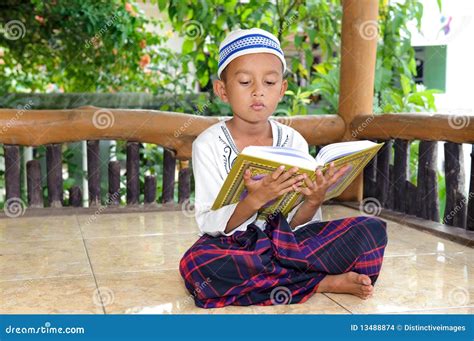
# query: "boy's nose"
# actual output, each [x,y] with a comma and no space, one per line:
[257,92]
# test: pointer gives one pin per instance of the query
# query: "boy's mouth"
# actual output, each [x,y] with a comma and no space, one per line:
[257,106]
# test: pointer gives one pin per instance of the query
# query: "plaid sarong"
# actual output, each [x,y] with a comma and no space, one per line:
[278,265]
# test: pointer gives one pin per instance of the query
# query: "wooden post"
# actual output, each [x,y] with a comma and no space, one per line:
[114,183]
[358,56]
[93,172]
[456,208]
[400,176]
[427,188]
[184,180]
[470,208]
[133,172]
[12,171]
[169,166]
[383,175]
[33,184]
[54,175]
[75,196]
[411,206]
[369,178]
[150,190]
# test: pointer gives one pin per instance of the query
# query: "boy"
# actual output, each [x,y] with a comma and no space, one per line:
[245,260]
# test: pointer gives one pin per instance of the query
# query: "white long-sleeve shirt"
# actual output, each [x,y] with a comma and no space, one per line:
[213,153]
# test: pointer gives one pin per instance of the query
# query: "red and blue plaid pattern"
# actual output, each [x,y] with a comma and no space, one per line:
[247,267]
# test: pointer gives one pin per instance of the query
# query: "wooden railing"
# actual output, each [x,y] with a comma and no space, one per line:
[173,131]
[387,183]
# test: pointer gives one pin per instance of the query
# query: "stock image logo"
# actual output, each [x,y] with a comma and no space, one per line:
[14,207]
[103,119]
[13,30]
[280,295]
[370,207]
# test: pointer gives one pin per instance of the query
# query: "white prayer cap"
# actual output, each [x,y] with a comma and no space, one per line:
[242,42]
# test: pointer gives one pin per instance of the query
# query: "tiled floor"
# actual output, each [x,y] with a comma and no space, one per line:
[127,263]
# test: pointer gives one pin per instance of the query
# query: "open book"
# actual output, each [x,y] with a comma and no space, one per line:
[262,160]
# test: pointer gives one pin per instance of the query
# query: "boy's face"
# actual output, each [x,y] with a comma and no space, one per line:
[253,85]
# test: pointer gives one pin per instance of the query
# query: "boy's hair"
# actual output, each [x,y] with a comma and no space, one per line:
[242,42]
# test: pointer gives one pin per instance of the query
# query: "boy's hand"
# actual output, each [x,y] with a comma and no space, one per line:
[315,191]
[272,185]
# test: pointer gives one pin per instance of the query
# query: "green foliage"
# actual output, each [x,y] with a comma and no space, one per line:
[310,25]
[84,46]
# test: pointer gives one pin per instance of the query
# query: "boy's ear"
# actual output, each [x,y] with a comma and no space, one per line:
[220,91]
[284,87]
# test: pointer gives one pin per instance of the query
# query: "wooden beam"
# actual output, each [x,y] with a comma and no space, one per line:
[419,126]
[175,131]
[358,56]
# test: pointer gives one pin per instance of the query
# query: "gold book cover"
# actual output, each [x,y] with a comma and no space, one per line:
[233,190]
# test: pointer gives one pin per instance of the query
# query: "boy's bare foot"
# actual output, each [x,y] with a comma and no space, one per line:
[347,283]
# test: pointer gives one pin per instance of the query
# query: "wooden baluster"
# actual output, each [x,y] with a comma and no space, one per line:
[400,176]
[184,181]
[470,209]
[12,173]
[383,175]
[93,172]
[75,196]
[411,206]
[391,176]
[133,173]
[114,183]
[150,190]
[54,175]
[33,184]
[169,166]
[427,189]
[370,172]
[456,208]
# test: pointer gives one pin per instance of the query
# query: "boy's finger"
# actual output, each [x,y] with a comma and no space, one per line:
[309,183]
[331,170]
[278,172]
[319,177]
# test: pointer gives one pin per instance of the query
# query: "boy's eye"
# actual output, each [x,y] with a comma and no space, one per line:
[270,83]
[244,83]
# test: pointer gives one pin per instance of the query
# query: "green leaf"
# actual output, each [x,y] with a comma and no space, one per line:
[406,84]
[162,4]
[188,46]
[298,40]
